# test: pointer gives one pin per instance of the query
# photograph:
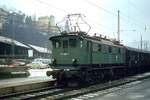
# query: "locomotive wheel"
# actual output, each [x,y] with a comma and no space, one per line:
[85,78]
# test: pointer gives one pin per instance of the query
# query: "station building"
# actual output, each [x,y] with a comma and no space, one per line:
[10,48]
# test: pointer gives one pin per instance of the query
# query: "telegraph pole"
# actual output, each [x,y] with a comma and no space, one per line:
[141,42]
[13,36]
[118,26]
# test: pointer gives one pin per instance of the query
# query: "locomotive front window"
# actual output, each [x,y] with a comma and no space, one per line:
[65,43]
[72,43]
[110,49]
[56,44]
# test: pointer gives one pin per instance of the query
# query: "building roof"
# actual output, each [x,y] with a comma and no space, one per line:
[10,41]
[40,49]
[3,12]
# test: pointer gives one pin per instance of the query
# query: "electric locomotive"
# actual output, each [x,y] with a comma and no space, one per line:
[78,57]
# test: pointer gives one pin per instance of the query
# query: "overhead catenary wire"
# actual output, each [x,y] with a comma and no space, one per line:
[96,24]
[133,21]
[105,10]
[51,6]
[88,19]
[123,16]
[137,9]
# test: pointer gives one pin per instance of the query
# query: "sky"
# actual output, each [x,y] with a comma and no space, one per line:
[100,14]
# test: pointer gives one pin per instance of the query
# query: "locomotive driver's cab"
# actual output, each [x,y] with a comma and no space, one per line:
[64,43]
[66,49]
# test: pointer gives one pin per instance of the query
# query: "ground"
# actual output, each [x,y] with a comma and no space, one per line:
[139,90]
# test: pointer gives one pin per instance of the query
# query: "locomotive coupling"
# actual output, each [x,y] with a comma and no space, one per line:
[53,72]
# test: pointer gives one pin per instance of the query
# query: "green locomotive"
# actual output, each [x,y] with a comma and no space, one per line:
[75,49]
[81,58]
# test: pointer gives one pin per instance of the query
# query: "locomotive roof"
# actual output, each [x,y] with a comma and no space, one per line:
[99,40]
[136,50]
[103,41]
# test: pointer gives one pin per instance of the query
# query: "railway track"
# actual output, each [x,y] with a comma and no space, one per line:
[108,86]
[59,92]
[33,93]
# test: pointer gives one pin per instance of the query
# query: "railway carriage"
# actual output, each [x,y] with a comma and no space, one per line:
[136,60]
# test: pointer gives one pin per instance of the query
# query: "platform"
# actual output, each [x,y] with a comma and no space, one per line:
[11,72]
[15,85]
[139,90]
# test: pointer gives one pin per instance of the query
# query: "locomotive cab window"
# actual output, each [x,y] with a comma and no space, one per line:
[72,43]
[110,49]
[56,43]
[87,44]
[119,50]
[104,48]
[95,47]
[99,47]
[65,43]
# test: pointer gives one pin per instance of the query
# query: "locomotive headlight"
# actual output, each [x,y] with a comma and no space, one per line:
[53,61]
[74,61]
